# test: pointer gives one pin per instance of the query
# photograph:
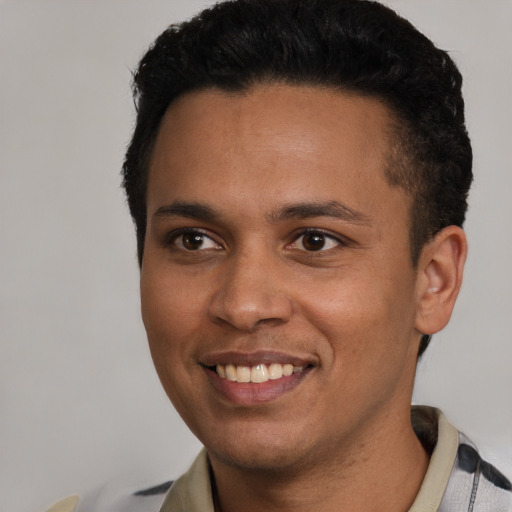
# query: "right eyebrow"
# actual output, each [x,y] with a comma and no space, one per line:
[333,209]
[187,210]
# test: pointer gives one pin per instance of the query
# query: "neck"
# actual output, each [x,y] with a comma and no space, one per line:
[379,471]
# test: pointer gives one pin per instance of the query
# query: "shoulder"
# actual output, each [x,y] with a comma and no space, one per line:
[458,479]
[116,499]
[475,484]
[65,505]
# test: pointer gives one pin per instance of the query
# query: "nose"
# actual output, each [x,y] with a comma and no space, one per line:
[251,292]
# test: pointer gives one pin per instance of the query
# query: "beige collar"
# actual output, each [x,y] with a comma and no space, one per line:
[441,462]
[192,492]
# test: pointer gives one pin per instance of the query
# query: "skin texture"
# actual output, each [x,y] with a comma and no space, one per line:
[248,174]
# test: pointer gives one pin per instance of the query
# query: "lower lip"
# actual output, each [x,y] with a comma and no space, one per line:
[251,393]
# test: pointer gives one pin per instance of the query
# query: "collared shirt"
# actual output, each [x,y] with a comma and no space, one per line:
[457,479]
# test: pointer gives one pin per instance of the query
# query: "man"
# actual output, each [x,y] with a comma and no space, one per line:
[298,178]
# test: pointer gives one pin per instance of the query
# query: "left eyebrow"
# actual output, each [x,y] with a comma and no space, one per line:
[188,210]
[333,209]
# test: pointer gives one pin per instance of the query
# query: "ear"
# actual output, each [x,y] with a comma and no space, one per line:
[440,269]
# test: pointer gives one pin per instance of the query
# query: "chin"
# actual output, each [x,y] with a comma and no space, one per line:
[265,460]
[267,451]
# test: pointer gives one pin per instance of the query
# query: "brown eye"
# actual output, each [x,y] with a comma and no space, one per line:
[313,241]
[192,241]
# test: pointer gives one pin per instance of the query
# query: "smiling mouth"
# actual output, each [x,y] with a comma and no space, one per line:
[257,374]
[253,379]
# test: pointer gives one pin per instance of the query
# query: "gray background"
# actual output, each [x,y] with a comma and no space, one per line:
[80,403]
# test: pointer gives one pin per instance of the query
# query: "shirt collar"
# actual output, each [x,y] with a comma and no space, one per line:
[432,428]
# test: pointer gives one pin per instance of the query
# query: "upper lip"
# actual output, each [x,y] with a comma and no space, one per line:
[240,358]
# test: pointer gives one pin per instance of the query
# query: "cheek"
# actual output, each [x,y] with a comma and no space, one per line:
[167,294]
[368,335]
[171,320]
[170,312]
[364,313]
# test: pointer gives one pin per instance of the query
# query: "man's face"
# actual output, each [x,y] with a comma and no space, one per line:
[274,239]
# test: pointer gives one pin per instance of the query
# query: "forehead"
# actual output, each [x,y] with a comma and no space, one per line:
[295,143]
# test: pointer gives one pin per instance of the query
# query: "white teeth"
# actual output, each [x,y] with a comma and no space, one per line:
[258,373]
[221,371]
[243,374]
[231,372]
[275,371]
[287,369]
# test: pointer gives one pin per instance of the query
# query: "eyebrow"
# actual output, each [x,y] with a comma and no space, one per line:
[332,209]
[188,210]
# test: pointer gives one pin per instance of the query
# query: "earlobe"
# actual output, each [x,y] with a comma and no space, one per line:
[440,270]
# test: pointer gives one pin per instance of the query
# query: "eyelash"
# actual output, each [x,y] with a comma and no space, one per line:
[172,238]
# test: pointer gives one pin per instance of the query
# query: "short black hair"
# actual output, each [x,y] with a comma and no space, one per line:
[357,46]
